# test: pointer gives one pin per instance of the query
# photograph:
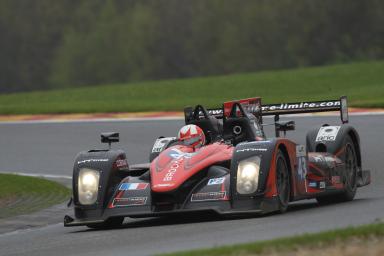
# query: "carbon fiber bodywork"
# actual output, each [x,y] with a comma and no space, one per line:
[181,179]
[194,195]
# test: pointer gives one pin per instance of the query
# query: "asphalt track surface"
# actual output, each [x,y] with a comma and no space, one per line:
[51,148]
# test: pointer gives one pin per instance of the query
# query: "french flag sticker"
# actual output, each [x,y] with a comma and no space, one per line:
[133,186]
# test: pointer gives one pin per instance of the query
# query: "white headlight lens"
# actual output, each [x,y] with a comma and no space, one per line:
[248,175]
[88,184]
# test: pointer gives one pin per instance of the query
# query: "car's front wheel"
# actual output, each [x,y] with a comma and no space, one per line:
[282,182]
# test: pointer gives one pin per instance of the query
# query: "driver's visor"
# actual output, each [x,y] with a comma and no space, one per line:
[191,141]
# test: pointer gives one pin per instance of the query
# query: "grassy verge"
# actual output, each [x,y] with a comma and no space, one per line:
[21,195]
[310,243]
[362,82]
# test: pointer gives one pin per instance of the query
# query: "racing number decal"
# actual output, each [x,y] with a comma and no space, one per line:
[301,168]
[161,143]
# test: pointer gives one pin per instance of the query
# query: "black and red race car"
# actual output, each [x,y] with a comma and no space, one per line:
[237,171]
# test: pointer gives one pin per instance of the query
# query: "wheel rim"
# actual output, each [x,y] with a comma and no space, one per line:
[282,181]
[350,167]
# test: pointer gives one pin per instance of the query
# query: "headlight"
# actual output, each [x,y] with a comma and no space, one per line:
[88,184]
[248,175]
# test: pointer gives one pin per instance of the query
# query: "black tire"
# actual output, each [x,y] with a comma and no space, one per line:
[349,178]
[110,223]
[282,182]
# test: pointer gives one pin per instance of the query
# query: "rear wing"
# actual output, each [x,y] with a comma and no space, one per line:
[293,108]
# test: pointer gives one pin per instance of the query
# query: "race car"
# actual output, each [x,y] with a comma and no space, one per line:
[229,168]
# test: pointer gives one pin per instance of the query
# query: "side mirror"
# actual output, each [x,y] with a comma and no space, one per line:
[110,137]
[188,114]
[284,126]
[344,110]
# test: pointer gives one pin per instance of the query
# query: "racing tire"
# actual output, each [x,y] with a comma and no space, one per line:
[110,223]
[282,182]
[349,178]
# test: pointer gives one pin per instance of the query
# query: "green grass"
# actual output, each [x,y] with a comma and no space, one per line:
[291,243]
[21,195]
[362,82]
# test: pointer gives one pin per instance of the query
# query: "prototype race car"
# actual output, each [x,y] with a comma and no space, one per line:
[237,171]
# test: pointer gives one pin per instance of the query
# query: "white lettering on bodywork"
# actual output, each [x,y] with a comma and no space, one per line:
[251,149]
[327,133]
[92,160]
[172,170]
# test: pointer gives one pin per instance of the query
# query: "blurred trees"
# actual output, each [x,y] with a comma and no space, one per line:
[30,33]
[49,44]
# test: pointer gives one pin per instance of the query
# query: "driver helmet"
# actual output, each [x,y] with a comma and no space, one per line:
[191,135]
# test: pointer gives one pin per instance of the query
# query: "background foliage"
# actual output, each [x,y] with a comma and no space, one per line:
[66,43]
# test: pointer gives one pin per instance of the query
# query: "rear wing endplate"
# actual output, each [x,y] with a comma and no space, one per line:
[298,108]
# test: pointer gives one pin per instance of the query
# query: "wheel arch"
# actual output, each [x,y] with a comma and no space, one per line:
[105,163]
[336,145]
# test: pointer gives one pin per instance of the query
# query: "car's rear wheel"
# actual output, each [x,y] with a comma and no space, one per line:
[282,182]
[349,178]
[113,222]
